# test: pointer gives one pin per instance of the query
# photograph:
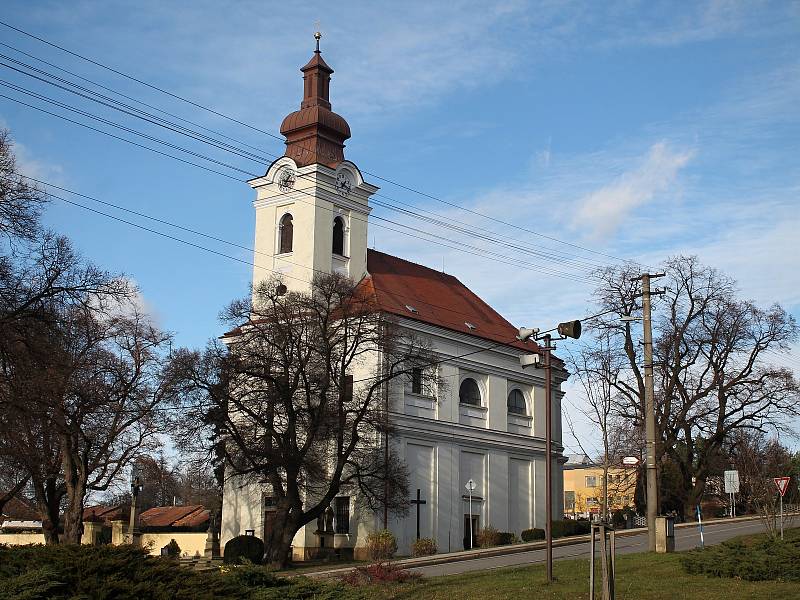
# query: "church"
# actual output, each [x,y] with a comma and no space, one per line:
[475,448]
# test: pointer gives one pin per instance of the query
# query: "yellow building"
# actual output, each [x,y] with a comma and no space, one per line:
[584,487]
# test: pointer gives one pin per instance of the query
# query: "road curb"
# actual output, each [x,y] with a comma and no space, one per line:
[465,555]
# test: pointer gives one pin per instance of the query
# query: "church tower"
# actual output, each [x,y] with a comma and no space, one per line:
[312,204]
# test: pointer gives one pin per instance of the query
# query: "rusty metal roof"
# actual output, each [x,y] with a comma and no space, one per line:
[193,515]
[106,514]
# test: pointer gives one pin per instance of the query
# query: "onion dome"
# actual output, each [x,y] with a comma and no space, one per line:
[315,134]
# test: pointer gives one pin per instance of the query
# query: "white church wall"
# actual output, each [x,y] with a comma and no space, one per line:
[242,510]
[496,403]
[520,494]
[498,490]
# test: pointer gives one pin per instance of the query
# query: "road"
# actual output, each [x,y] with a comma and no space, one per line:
[685,539]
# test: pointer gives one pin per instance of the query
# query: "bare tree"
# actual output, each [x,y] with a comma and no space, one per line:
[86,386]
[597,367]
[299,399]
[20,201]
[759,460]
[713,371]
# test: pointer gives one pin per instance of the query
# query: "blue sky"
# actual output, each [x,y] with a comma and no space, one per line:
[636,129]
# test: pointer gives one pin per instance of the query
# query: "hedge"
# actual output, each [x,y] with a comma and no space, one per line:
[72,572]
[765,560]
[244,548]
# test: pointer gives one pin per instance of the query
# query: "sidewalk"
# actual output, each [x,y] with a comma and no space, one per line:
[449,557]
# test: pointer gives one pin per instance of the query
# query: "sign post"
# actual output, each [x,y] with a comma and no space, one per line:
[700,525]
[783,485]
[732,488]
[470,485]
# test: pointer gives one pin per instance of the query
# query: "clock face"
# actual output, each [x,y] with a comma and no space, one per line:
[344,185]
[286,179]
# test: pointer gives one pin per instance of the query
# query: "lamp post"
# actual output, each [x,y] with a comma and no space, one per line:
[568,329]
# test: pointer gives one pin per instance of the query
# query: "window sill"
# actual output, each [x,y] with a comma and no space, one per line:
[341,257]
[283,254]
[521,420]
[469,410]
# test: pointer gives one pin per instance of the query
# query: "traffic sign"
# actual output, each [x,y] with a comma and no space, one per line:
[470,485]
[782,483]
[630,461]
[731,482]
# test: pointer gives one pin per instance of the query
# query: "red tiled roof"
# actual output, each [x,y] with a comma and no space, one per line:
[192,515]
[18,510]
[437,298]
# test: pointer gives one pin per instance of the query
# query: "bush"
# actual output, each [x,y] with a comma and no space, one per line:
[507,537]
[71,572]
[568,527]
[381,545]
[244,547]
[121,572]
[488,537]
[531,535]
[173,549]
[619,518]
[379,572]
[765,560]
[424,547]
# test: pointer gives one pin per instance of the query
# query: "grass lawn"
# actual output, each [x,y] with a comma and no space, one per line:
[639,577]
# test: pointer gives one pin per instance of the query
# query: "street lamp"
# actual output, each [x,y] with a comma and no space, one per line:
[568,329]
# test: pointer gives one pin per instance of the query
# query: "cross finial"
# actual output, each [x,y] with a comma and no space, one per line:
[317,34]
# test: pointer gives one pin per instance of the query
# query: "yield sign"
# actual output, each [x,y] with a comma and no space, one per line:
[782,483]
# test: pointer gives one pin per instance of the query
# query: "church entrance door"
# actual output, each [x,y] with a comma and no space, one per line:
[470,520]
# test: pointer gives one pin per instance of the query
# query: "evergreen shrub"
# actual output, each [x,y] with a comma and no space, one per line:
[532,535]
[767,559]
[244,548]
[173,549]
[507,537]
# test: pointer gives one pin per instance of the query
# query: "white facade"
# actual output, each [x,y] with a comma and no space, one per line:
[444,443]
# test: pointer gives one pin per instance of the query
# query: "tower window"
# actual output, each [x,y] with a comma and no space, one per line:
[286,234]
[338,236]
[516,403]
[469,392]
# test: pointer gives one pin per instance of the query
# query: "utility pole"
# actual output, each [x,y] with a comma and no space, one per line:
[571,329]
[548,451]
[650,412]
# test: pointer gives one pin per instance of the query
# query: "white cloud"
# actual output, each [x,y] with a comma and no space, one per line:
[602,211]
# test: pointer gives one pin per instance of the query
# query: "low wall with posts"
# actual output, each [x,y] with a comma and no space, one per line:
[21,539]
[191,543]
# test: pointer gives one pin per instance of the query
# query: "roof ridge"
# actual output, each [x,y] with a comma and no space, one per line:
[411,262]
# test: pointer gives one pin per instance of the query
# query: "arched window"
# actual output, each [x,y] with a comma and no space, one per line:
[338,236]
[469,392]
[516,403]
[286,234]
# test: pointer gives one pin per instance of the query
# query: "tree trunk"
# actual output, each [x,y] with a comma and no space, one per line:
[73,515]
[279,540]
[48,500]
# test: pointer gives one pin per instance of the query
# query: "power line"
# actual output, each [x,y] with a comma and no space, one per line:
[221,240]
[466,248]
[254,128]
[126,109]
